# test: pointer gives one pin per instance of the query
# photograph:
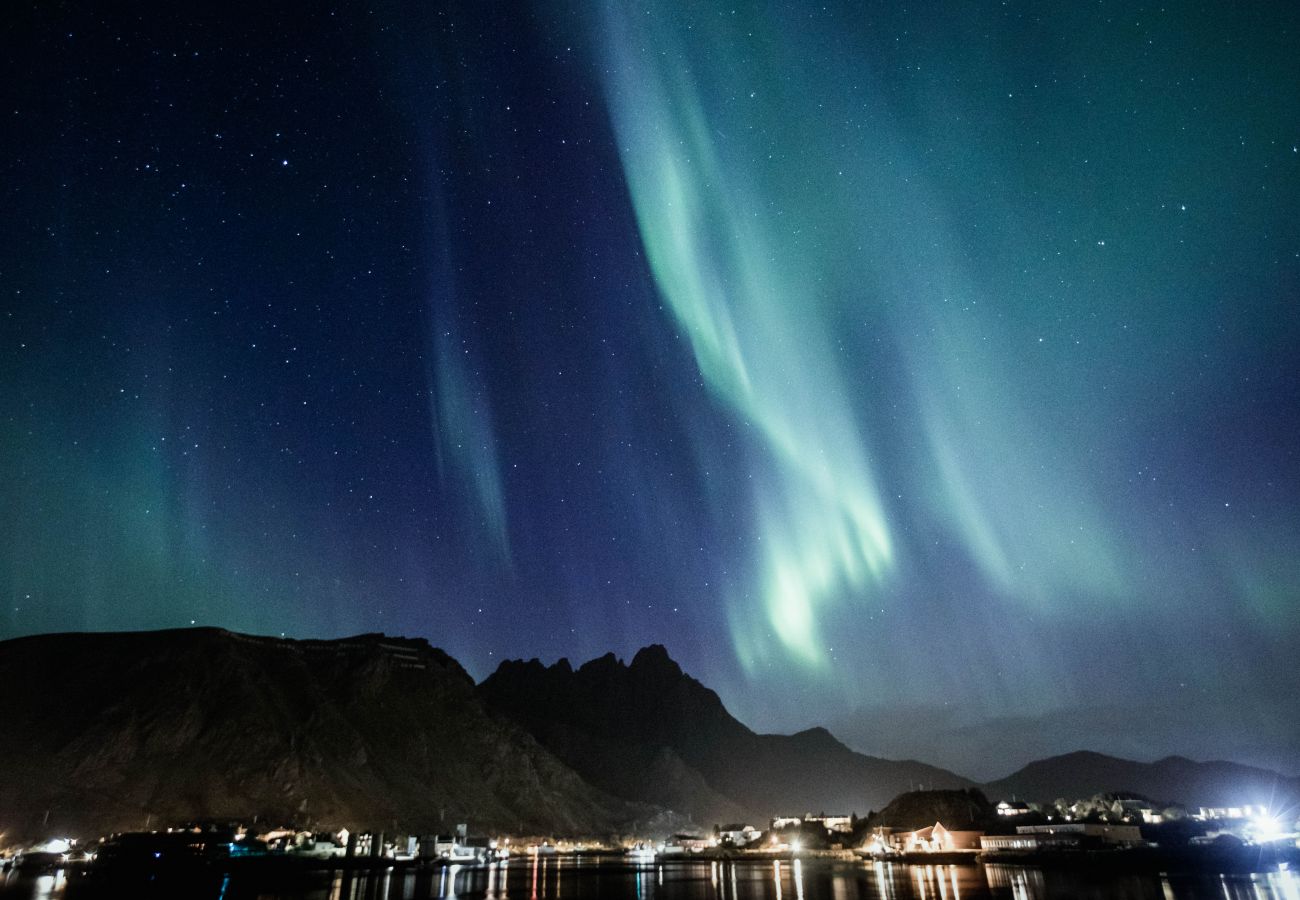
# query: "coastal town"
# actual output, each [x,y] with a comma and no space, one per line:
[396,765]
[1106,829]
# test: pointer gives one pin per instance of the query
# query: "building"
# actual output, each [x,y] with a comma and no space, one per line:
[779,822]
[1091,833]
[1064,836]
[1246,811]
[1003,843]
[1013,808]
[738,835]
[934,838]
[938,839]
[833,824]
[1140,810]
[687,843]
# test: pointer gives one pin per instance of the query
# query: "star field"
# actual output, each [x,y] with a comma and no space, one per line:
[927,372]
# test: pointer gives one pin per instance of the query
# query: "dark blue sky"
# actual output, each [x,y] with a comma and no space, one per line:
[929,373]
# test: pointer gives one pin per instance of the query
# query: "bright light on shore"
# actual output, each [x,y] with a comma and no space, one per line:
[1264,829]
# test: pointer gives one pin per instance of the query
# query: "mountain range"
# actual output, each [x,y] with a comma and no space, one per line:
[105,732]
[127,730]
[649,732]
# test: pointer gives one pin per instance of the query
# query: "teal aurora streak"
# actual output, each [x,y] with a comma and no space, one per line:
[748,299]
[747,265]
[804,244]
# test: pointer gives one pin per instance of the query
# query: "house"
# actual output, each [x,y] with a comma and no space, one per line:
[833,823]
[938,839]
[1013,808]
[779,822]
[1140,810]
[738,835]
[687,843]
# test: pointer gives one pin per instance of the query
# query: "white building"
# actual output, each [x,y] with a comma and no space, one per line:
[1117,835]
[1246,811]
[834,824]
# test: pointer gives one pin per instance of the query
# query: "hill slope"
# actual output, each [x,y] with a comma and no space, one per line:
[647,731]
[1173,779]
[957,810]
[112,731]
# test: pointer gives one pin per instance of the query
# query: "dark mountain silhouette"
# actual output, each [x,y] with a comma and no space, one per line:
[100,732]
[1170,780]
[957,810]
[111,731]
[646,731]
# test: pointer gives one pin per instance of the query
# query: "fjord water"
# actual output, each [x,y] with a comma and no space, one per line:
[557,878]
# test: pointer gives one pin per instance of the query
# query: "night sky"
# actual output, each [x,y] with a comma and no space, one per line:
[926,371]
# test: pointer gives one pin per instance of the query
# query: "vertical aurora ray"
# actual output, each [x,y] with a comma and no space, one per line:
[466,442]
[1007,481]
[749,302]
[460,409]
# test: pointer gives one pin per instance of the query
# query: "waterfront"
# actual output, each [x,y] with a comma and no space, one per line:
[588,878]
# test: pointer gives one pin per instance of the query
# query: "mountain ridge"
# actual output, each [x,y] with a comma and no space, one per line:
[757,775]
[112,731]
[1173,778]
[116,730]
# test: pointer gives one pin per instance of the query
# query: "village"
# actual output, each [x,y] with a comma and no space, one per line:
[962,827]
[1016,829]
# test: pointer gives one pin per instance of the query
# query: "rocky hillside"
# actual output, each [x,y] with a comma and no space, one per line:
[646,731]
[111,731]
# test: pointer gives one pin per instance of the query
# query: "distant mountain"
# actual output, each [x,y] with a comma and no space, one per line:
[1170,780]
[648,732]
[111,731]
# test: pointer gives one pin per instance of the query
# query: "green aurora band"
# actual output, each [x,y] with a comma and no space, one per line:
[823,262]
[748,298]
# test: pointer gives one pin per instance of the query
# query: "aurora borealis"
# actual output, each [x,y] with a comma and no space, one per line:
[926,372]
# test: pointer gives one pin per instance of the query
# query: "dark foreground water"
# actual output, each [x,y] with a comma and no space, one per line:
[554,878]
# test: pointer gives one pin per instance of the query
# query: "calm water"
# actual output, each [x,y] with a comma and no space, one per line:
[555,878]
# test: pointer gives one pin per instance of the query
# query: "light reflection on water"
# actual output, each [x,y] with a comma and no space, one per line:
[588,878]
[561,878]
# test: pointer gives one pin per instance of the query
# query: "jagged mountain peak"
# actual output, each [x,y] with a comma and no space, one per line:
[608,663]
[655,657]
[617,723]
